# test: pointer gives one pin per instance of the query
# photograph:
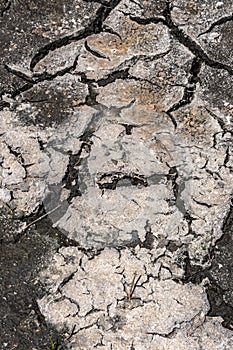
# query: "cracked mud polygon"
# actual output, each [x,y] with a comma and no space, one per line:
[116,174]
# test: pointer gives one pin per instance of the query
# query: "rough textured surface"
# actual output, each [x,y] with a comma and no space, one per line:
[116,146]
[127,302]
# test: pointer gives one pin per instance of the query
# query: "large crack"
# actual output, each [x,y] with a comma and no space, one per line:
[33,79]
[219,22]
[71,179]
[93,52]
[122,71]
[189,90]
[219,255]
[95,27]
[183,38]
[177,189]
[114,179]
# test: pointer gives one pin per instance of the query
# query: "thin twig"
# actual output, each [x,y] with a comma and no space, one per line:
[133,286]
[41,217]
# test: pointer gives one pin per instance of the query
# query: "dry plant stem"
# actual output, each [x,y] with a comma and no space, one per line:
[41,217]
[133,286]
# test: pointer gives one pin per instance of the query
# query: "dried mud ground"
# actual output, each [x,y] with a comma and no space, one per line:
[116,163]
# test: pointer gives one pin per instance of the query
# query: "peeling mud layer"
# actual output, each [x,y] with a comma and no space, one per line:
[116,175]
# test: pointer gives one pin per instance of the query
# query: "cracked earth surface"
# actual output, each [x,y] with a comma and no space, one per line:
[116,174]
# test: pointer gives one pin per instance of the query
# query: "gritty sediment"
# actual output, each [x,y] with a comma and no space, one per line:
[116,150]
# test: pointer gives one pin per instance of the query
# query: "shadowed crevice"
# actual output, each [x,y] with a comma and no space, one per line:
[220,284]
[219,22]
[95,27]
[183,38]
[6,8]
[189,90]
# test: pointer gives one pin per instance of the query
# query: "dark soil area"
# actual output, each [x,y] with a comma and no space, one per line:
[219,275]
[21,325]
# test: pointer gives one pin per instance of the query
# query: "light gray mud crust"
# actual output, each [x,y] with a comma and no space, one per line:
[116,146]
